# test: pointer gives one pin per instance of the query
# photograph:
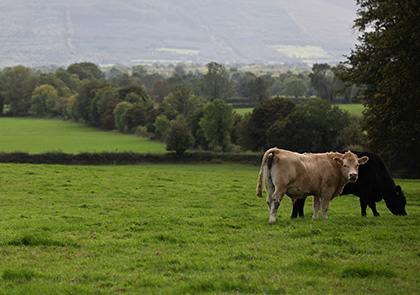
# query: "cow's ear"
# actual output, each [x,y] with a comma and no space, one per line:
[338,160]
[363,160]
[398,190]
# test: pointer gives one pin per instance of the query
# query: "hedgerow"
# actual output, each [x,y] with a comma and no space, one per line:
[126,158]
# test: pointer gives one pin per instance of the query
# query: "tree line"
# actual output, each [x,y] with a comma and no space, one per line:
[185,110]
[190,108]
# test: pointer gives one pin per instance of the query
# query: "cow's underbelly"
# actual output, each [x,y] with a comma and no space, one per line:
[295,192]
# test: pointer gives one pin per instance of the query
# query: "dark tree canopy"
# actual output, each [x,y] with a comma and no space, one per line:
[263,116]
[179,137]
[314,126]
[86,70]
[16,86]
[217,123]
[386,66]
[215,85]
[324,81]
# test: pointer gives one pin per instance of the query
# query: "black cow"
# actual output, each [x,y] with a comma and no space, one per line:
[374,184]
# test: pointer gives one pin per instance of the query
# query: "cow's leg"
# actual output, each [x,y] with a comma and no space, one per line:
[295,209]
[372,206]
[274,204]
[316,204]
[363,206]
[298,208]
[325,202]
[271,202]
[301,207]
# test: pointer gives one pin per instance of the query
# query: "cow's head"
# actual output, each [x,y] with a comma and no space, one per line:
[396,202]
[350,163]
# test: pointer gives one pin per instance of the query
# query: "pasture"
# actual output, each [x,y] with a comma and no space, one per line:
[354,108]
[33,135]
[191,229]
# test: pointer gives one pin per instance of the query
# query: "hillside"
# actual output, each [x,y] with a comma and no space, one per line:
[62,32]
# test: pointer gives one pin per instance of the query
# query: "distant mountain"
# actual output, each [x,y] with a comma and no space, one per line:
[127,32]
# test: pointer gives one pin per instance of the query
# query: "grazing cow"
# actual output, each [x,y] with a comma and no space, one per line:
[375,183]
[300,175]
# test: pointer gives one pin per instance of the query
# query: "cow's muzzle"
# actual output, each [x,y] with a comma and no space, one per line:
[352,177]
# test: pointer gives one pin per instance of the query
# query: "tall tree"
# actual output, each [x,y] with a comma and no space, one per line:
[131,88]
[259,88]
[119,115]
[295,86]
[217,123]
[72,81]
[160,90]
[86,70]
[2,99]
[17,85]
[241,81]
[263,116]
[99,104]
[215,84]
[179,137]
[385,64]
[314,126]
[182,100]
[43,100]
[324,81]
[82,102]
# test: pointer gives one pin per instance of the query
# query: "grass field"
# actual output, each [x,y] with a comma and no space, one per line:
[191,229]
[355,109]
[33,136]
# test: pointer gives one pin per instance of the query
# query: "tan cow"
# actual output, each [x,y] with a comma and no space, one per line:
[299,175]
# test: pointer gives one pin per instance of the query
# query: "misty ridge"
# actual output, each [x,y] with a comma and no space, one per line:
[105,32]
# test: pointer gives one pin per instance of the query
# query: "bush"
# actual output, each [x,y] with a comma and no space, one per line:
[142,131]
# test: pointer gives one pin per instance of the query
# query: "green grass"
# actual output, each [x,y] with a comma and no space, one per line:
[355,109]
[191,229]
[32,135]
[305,52]
[243,111]
[179,51]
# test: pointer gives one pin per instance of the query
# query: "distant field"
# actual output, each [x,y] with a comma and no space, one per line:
[305,52]
[179,51]
[355,109]
[33,135]
[243,111]
[192,229]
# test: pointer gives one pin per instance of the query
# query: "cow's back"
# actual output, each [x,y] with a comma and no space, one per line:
[307,172]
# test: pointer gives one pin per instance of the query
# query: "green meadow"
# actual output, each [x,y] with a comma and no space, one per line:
[354,108]
[191,229]
[182,228]
[32,135]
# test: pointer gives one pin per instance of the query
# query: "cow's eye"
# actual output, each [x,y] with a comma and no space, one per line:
[346,166]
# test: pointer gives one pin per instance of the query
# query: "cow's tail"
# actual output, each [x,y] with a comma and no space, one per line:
[266,161]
